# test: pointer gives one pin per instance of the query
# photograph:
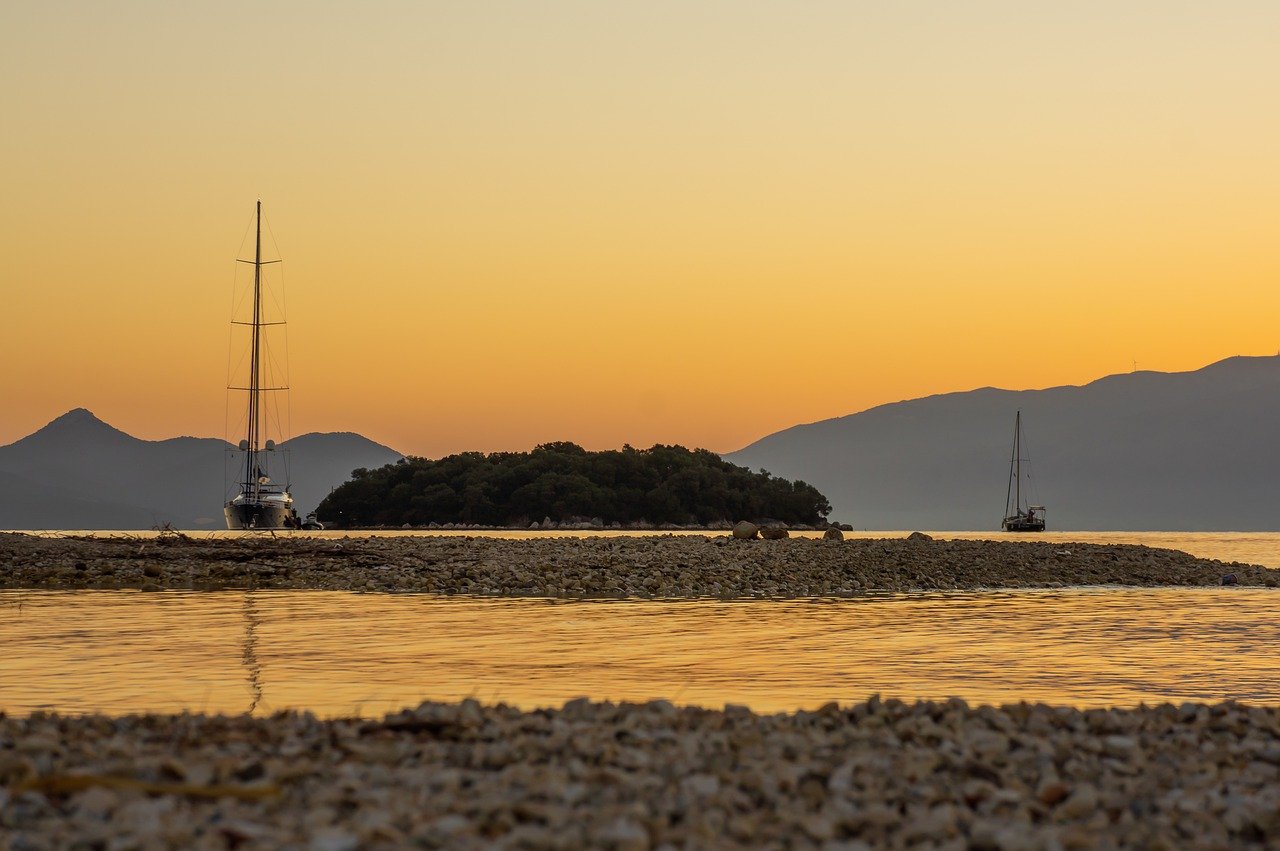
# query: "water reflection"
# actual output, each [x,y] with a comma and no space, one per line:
[250,655]
[338,653]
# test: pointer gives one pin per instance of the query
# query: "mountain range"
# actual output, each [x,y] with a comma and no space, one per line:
[81,473]
[1193,451]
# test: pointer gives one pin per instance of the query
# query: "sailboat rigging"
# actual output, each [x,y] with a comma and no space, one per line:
[1018,515]
[261,503]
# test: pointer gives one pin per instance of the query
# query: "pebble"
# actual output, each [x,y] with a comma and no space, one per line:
[874,774]
[1079,803]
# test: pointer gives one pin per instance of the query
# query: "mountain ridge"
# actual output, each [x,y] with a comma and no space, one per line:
[1140,450]
[993,389]
[79,472]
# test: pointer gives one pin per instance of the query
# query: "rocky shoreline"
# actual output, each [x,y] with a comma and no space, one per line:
[639,776]
[877,774]
[664,566]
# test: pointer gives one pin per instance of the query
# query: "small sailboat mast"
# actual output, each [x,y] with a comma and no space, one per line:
[1015,518]
[1016,464]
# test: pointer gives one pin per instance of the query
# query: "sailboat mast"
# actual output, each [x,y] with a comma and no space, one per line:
[1017,451]
[1014,454]
[251,457]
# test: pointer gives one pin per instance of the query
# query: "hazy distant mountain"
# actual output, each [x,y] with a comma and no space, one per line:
[80,473]
[1144,450]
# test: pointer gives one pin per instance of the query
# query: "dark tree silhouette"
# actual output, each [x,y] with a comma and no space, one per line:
[563,481]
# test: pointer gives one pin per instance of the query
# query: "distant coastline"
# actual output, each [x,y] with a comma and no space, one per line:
[586,526]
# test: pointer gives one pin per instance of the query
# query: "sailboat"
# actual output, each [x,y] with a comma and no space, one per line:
[261,503]
[1019,516]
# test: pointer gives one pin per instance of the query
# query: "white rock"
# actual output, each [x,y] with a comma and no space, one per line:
[701,785]
[334,840]
[623,834]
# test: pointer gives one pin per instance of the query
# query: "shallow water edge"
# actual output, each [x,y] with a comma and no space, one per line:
[341,653]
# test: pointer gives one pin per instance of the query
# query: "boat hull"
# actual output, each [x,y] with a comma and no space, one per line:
[1023,525]
[261,515]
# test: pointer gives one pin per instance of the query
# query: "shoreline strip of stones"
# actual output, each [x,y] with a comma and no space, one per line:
[877,774]
[659,566]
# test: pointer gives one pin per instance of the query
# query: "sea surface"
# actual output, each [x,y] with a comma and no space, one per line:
[338,653]
[1248,547]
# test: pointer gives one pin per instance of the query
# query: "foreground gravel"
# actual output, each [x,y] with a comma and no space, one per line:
[872,775]
[668,566]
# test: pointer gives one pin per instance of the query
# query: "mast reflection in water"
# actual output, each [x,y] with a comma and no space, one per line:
[339,654]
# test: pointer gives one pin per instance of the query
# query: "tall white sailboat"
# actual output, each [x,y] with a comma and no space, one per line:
[261,502]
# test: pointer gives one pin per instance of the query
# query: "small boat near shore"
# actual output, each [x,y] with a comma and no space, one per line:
[261,502]
[1019,515]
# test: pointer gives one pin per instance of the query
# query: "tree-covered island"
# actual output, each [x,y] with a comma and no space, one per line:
[564,482]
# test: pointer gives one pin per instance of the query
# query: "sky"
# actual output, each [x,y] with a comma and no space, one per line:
[507,223]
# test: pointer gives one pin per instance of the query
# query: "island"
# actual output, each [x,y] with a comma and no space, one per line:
[566,484]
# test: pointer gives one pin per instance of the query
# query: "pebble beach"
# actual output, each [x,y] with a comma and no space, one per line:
[640,776]
[873,774]
[660,566]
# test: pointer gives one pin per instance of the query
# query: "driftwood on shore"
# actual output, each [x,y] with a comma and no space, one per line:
[665,566]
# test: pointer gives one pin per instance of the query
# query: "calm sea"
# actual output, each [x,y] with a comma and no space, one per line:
[340,653]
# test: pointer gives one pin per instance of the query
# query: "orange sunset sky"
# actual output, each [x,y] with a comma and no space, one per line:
[505,223]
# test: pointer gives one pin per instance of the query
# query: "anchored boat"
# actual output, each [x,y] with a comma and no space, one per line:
[262,502]
[1019,516]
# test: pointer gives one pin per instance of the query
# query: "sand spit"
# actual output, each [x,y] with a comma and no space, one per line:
[671,566]
[638,776]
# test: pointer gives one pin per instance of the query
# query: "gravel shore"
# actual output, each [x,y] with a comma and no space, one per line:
[871,775]
[635,776]
[664,566]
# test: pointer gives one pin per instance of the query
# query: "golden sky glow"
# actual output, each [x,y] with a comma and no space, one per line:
[693,222]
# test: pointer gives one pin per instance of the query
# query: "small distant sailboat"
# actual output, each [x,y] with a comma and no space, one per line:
[261,502]
[1018,516]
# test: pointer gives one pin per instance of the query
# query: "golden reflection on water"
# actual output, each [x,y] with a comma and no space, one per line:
[339,653]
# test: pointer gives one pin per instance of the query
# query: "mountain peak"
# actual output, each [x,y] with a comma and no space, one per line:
[78,424]
[78,430]
[79,419]
[76,416]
